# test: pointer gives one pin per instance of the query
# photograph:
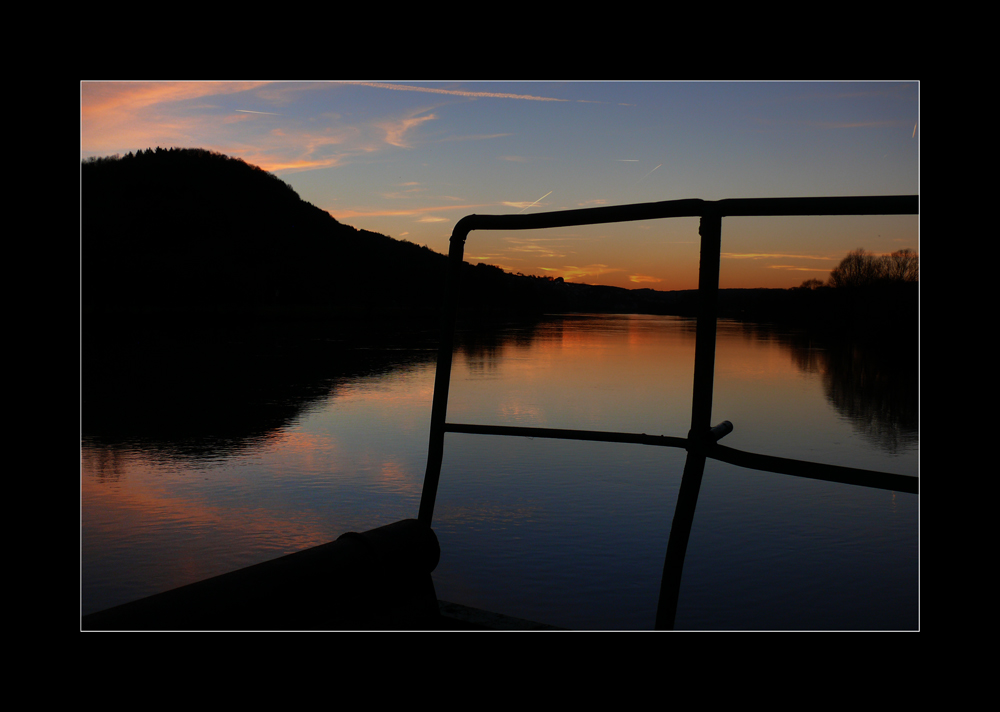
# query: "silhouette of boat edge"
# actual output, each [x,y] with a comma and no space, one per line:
[375,580]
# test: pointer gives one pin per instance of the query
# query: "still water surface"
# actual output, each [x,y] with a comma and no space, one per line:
[567,533]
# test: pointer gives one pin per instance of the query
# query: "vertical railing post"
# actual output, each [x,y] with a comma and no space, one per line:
[701,417]
[708,316]
[442,376]
[680,531]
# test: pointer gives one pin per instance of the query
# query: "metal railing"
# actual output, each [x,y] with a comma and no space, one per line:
[702,439]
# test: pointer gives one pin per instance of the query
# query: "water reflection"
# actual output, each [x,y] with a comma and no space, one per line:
[768,551]
[199,459]
[203,399]
[877,390]
[181,393]
[873,386]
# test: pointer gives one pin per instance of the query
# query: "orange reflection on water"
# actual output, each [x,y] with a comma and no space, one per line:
[628,371]
[221,516]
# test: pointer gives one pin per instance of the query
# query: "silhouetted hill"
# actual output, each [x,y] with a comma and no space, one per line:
[188,229]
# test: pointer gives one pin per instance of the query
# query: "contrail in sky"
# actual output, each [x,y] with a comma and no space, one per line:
[644,177]
[247,111]
[535,203]
[649,174]
[455,92]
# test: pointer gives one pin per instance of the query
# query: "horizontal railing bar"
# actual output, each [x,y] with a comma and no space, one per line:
[814,470]
[559,434]
[760,207]
[749,460]
[584,216]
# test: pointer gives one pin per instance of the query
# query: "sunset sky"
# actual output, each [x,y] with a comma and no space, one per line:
[409,159]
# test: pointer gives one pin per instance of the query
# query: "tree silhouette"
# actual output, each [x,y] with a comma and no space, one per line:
[902,266]
[811,284]
[863,269]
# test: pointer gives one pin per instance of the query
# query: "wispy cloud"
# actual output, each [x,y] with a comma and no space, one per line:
[296,150]
[396,130]
[394,212]
[114,115]
[487,257]
[571,272]
[640,278]
[796,268]
[773,255]
[120,116]
[455,92]
[103,98]
[830,261]
[538,247]
[784,256]
[293,165]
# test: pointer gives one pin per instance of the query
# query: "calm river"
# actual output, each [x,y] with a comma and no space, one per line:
[567,533]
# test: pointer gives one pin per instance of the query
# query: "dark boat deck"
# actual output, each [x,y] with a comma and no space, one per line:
[376,580]
[455,616]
